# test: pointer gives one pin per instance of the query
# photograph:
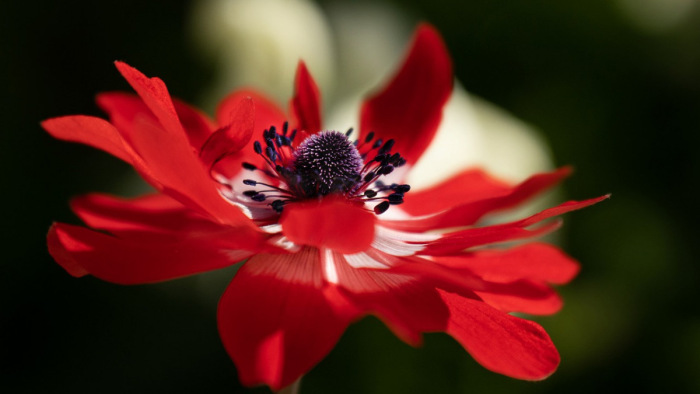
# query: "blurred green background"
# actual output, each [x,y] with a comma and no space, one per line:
[616,95]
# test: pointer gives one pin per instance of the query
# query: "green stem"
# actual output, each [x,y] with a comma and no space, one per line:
[292,388]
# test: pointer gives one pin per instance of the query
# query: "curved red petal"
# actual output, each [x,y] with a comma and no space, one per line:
[169,160]
[276,321]
[267,113]
[332,223]
[522,290]
[155,95]
[408,305]
[500,342]
[122,109]
[92,131]
[306,103]
[157,217]
[198,126]
[457,241]
[180,174]
[150,212]
[464,282]
[232,137]
[141,259]
[126,109]
[409,108]
[548,305]
[454,212]
[535,261]
[560,210]
[61,249]
[460,240]
[465,187]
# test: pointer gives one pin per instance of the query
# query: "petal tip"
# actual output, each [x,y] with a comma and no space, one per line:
[123,67]
[55,240]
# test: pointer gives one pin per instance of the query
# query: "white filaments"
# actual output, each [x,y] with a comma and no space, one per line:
[329,268]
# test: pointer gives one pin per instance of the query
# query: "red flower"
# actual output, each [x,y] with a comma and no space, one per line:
[307,209]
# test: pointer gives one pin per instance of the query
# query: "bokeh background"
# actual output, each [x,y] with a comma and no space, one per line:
[613,86]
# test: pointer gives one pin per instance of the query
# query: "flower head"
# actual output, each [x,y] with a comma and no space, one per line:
[329,230]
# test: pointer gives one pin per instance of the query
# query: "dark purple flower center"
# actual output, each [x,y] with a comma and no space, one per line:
[325,163]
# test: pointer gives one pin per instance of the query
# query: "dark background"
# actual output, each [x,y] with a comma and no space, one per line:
[620,103]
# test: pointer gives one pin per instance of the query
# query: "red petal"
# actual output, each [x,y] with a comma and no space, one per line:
[534,261]
[306,103]
[150,212]
[233,137]
[100,134]
[459,240]
[548,305]
[409,108]
[267,113]
[198,125]
[465,282]
[276,321]
[124,108]
[465,211]
[156,97]
[500,342]
[332,223]
[91,131]
[169,161]
[408,305]
[465,187]
[159,218]
[179,173]
[83,251]
[561,209]
[521,271]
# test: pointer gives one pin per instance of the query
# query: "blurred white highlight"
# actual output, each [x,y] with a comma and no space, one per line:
[657,15]
[259,42]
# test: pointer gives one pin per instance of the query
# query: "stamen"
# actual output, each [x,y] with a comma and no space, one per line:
[387,147]
[386,170]
[402,188]
[277,205]
[271,154]
[395,198]
[381,207]
[325,163]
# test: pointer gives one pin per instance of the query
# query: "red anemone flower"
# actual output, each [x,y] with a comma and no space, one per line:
[329,231]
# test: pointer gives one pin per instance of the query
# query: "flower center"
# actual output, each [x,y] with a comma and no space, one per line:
[325,163]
